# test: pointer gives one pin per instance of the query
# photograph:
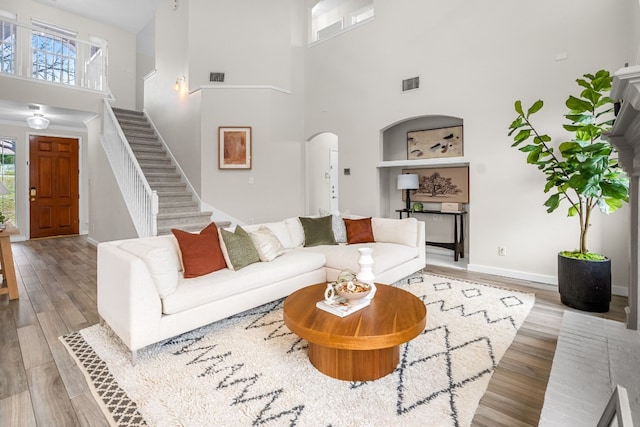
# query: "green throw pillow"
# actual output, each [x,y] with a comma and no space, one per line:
[239,247]
[318,231]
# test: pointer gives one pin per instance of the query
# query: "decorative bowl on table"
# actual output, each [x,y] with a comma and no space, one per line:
[353,292]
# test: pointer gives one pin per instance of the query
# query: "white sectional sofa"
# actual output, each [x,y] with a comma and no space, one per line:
[144,298]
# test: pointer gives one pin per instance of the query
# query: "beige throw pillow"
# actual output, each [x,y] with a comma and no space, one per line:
[267,244]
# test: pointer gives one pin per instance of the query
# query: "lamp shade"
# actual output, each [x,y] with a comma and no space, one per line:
[408,181]
[4,190]
[38,121]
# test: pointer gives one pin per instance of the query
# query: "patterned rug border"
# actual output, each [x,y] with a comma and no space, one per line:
[106,397]
[120,410]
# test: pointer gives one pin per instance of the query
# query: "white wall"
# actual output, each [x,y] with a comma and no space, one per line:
[176,114]
[263,89]
[250,41]
[110,219]
[273,188]
[474,60]
[634,16]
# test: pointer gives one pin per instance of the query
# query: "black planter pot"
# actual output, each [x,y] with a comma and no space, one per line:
[585,285]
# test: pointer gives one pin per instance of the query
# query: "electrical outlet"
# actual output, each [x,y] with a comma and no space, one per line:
[502,251]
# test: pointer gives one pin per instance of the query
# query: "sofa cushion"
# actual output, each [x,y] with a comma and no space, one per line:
[160,261]
[337,223]
[359,230]
[224,283]
[295,231]
[239,248]
[201,253]
[402,231]
[318,231]
[267,244]
[280,229]
[345,257]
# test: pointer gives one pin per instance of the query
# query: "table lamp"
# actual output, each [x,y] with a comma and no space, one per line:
[408,181]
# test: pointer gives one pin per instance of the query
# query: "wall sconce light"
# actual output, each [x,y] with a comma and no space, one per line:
[181,84]
[38,121]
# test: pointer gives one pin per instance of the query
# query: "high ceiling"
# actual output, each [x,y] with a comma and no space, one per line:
[130,15]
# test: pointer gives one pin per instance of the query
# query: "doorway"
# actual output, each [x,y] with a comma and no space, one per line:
[321,161]
[53,186]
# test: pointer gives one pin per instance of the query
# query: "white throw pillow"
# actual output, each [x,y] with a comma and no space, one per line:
[160,261]
[279,229]
[401,231]
[267,244]
[295,231]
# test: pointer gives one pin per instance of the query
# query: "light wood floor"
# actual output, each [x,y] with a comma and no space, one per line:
[41,386]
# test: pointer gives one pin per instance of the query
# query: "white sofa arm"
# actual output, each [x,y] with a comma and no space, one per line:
[421,243]
[127,297]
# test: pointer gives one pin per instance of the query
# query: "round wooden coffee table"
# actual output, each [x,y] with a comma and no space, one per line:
[362,346]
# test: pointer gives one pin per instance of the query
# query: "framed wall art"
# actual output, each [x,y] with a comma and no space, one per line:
[441,185]
[234,147]
[435,143]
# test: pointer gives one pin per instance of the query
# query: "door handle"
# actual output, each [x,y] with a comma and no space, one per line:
[32,194]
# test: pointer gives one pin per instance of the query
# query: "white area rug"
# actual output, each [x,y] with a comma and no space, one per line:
[251,370]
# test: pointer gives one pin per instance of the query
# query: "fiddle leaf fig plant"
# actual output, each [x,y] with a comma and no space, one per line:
[585,171]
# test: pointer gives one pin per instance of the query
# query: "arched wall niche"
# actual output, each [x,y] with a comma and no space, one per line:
[394,136]
[393,159]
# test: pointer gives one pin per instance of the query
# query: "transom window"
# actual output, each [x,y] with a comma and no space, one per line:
[331,17]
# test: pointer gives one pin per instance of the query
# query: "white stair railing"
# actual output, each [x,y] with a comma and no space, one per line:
[140,199]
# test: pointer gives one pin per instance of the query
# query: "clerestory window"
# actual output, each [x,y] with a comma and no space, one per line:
[331,17]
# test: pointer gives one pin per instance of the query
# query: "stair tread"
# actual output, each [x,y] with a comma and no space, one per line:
[185,214]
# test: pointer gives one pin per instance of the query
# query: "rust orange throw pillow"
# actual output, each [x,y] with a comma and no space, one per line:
[359,230]
[201,253]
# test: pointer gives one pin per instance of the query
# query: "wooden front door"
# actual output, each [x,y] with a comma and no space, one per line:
[53,186]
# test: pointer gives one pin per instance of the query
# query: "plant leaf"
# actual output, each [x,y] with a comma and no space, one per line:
[578,105]
[535,107]
[552,202]
[518,107]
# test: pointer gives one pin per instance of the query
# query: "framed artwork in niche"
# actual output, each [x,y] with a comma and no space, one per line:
[441,185]
[435,143]
[234,147]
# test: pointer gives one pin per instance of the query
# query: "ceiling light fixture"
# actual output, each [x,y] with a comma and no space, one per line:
[38,121]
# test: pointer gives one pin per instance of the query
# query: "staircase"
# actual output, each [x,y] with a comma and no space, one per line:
[177,206]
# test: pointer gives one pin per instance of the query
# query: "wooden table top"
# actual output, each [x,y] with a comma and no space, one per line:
[9,230]
[394,316]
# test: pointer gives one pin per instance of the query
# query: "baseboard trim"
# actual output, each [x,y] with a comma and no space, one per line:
[539,278]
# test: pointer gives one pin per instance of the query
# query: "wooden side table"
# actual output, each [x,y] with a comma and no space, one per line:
[6,262]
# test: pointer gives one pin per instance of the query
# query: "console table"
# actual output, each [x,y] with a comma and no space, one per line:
[457,246]
[6,262]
